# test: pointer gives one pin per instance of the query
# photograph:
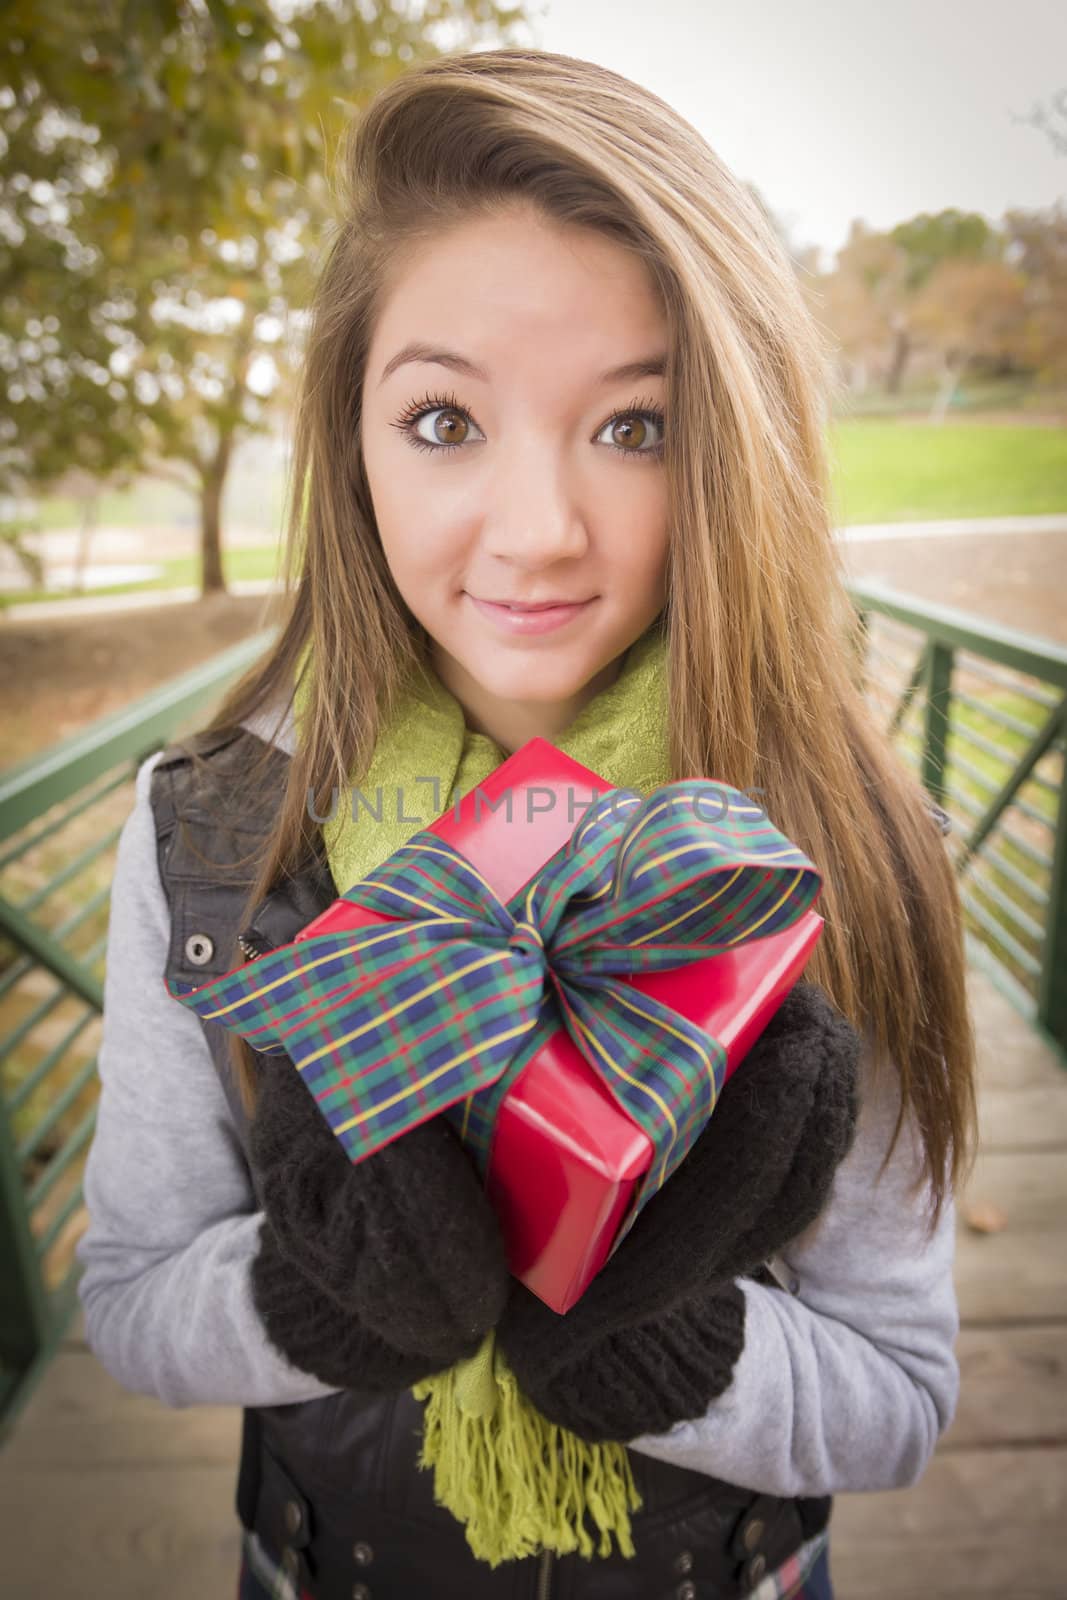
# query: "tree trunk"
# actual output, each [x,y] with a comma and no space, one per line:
[213,472]
[85,534]
[901,352]
[213,475]
[211,578]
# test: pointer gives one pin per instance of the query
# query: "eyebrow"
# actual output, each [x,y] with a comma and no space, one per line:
[647,367]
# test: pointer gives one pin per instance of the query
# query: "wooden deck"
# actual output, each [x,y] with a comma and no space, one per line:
[109,1496]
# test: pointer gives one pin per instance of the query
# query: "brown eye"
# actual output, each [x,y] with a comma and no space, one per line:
[629,433]
[637,432]
[449,427]
[438,424]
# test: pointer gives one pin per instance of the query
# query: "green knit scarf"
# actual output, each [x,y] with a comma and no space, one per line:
[520,1483]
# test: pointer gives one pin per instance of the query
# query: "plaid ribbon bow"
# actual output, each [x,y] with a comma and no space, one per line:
[443,1008]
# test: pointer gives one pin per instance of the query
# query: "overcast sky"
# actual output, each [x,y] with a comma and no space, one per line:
[845,108]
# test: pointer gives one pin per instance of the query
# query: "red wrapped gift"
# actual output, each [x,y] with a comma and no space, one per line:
[565,1160]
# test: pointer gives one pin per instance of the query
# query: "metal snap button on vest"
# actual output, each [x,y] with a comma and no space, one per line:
[199,949]
[293,1516]
[683,1563]
[686,1591]
[291,1561]
[755,1569]
[362,1554]
[753,1534]
[361,1592]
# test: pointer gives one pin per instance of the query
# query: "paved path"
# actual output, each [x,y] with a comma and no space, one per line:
[1009,570]
[106,1495]
[868,532]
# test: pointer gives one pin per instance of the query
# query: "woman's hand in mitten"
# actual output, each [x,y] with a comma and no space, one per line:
[606,1382]
[655,1337]
[312,1331]
[405,1240]
[757,1176]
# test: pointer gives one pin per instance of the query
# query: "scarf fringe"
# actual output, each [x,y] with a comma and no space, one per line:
[519,1483]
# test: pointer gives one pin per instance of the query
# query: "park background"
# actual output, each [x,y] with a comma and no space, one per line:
[164,201]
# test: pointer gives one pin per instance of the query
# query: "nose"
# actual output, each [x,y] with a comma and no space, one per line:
[535,516]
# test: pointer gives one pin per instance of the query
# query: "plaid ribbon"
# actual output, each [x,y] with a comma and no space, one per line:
[442,1009]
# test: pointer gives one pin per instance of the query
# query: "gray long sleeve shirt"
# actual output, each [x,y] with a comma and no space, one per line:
[844,1383]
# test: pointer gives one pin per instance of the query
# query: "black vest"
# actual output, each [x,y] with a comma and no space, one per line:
[332,1486]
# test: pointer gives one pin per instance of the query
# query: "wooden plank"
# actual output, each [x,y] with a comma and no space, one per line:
[980,1525]
[1006,1279]
[1028,1185]
[1033,1116]
[80,1417]
[119,1534]
[1010,1054]
[1012,1388]
[1020,1274]
[1015,1057]
[111,1494]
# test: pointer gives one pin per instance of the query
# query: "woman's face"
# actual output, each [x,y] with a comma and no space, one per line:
[510,457]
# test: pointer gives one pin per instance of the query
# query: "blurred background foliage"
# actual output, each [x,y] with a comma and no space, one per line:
[163,200]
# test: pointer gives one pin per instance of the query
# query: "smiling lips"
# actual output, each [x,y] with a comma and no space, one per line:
[533,605]
[527,619]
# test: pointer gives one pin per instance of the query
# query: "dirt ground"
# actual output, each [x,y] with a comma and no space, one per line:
[57,675]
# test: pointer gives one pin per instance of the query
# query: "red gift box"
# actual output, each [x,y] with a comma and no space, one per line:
[565,1159]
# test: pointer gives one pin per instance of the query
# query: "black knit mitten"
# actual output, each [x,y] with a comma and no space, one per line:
[640,1378]
[405,1241]
[312,1331]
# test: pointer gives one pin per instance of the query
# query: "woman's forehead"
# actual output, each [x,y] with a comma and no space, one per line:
[482,287]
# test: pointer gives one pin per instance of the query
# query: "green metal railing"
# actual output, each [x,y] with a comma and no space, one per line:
[60,818]
[980,712]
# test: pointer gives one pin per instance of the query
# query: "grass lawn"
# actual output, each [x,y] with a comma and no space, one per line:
[886,471]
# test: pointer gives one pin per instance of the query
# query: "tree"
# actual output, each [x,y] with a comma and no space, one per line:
[1037,247]
[1037,242]
[1051,119]
[967,309]
[165,186]
[890,291]
[865,295]
[929,241]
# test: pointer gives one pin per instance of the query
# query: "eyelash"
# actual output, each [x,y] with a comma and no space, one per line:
[647,410]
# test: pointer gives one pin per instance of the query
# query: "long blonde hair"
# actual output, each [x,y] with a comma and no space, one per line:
[763,683]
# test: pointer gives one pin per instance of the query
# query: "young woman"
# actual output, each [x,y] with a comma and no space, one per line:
[557,360]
